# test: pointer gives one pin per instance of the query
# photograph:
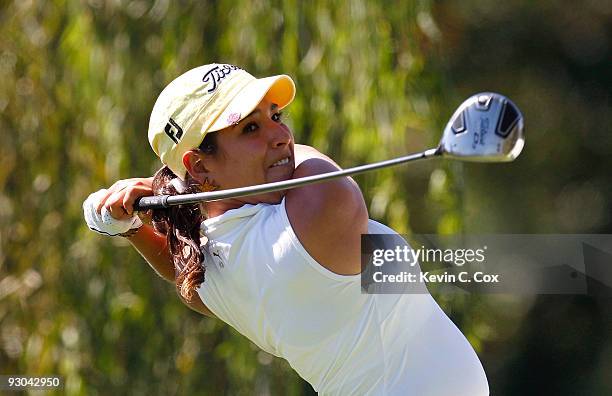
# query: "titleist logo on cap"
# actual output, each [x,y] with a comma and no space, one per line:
[216,74]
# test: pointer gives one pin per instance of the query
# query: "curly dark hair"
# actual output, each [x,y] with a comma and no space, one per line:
[181,225]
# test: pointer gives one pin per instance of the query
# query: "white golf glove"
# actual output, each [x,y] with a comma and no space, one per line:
[104,223]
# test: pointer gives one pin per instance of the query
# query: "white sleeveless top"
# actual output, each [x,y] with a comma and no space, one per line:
[261,281]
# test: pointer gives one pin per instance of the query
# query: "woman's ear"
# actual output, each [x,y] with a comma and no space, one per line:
[194,163]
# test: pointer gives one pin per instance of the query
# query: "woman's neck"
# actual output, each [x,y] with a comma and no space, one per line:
[217,208]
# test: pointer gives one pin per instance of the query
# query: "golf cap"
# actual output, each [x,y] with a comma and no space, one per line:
[208,99]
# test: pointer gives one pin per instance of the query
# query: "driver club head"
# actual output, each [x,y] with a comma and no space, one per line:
[487,127]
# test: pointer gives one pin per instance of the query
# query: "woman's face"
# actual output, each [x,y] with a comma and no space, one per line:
[257,150]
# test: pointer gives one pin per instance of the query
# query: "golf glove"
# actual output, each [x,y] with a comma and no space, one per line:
[104,223]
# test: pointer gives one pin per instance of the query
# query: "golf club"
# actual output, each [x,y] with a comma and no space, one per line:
[487,127]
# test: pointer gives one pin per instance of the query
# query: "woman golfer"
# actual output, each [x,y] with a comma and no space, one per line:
[282,268]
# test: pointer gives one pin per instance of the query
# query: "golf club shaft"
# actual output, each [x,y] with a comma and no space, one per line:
[164,201]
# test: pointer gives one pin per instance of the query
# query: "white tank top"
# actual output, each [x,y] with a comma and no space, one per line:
[261,281]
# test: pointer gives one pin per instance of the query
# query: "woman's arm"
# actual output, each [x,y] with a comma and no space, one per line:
[329,217]
[153,247]
[119,200]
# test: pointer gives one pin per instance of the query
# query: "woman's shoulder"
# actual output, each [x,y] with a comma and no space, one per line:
[328,219]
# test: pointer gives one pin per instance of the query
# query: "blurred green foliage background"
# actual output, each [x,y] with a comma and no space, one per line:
[375,80]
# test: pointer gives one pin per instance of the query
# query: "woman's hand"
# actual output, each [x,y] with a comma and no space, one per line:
[111,211]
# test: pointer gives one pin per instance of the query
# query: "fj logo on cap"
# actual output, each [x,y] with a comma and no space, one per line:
[173,130]
[216,74]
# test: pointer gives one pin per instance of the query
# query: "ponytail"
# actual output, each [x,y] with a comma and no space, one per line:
[181,225]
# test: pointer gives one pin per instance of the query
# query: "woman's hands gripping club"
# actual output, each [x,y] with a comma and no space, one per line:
[111,211]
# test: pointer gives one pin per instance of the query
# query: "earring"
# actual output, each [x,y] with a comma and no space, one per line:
[208,186]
